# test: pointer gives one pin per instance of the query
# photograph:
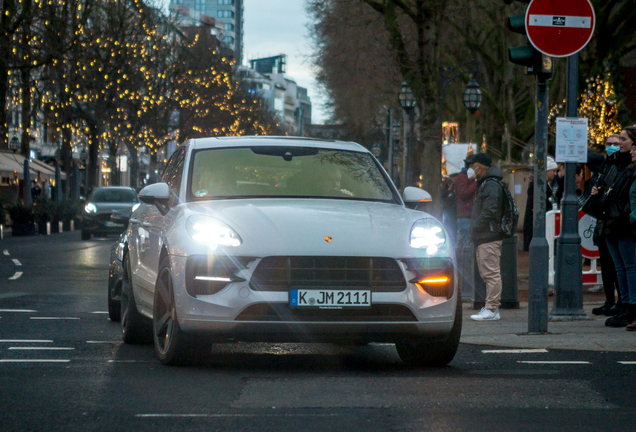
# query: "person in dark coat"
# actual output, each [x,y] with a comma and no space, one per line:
[484,231]
[615,182]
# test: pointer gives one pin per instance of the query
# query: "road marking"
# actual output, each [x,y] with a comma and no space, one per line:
[515,351]
[18,310]
[104,342]
[553,362]
[34,361]
[233,415]
[16,276]
[16,262]
[628,362]
[25,341]
[130,361]
[41,348]
[53,318]
[6,251]
[100,312]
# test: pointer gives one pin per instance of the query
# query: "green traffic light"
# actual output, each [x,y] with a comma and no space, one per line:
[517,24]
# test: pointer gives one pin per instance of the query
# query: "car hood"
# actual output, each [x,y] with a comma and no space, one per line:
[315,227]
[123,209]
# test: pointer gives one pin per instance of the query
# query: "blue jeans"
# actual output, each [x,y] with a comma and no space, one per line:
[623,253]
[463,231]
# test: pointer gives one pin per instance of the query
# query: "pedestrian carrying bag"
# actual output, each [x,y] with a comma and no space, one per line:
[510,213]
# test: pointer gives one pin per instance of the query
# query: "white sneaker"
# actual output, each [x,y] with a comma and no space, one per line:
[486,315]
[595,289]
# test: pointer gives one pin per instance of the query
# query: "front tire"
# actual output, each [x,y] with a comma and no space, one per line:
[173,347]
[134,327]
[433,353]
[114,307]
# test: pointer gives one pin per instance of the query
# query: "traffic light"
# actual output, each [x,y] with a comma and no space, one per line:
[528,56]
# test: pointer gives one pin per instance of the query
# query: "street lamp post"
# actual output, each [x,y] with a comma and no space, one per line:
[407,102]
[472,96]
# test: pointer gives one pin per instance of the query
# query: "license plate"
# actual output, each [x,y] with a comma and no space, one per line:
[113,224]
[329,298]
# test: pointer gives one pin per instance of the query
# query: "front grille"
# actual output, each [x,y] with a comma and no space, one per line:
[283,273]
[277,312]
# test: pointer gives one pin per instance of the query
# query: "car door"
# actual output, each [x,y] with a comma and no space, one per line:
[157,223]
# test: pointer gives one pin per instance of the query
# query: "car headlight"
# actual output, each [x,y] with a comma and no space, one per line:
[90,208]
[427,234]
[212,232]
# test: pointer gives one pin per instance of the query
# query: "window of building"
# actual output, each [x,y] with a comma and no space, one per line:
[225,14]
[199,5]
[226,2]
[228,40]
[229,27]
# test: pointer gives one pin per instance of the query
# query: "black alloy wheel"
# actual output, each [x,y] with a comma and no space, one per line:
[173,347]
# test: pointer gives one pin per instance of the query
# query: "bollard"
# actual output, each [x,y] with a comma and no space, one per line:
[508,265]
[508,268]
[72,225]
[1,232]
[60,226]
[48,228]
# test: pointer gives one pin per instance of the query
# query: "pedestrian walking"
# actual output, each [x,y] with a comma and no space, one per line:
[615,183]
[465,188]
[486,214]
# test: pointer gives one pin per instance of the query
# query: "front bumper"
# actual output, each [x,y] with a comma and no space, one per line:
[239,312]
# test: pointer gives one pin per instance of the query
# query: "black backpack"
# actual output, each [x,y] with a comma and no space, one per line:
[509,213]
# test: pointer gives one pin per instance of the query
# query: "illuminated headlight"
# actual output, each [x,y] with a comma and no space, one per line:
[90,208]
[135,207]
[427,234]
[212,232]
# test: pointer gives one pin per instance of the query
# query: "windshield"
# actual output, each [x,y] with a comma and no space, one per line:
[286,172]
[114,196]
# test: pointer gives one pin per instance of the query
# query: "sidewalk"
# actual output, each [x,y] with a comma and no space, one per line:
[590,334]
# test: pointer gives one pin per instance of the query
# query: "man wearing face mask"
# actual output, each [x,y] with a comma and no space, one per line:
[484,231]
[465,187]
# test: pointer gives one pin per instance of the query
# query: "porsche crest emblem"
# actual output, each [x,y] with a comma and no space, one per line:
[328,239]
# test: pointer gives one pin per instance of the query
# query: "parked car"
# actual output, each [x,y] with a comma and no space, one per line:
[108,210]
[115,278]
[286,239]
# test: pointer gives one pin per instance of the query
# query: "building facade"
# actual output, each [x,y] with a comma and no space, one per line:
[227,14]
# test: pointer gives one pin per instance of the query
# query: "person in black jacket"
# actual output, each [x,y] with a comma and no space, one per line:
[484,231]
[615,184]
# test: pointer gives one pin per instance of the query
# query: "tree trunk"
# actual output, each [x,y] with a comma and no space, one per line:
[92,170]
[67,156]
[25,87]
[134,166]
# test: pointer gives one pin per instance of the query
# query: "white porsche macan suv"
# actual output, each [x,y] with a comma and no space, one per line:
[286,240]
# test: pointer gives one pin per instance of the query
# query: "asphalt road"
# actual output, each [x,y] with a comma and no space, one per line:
[63,367]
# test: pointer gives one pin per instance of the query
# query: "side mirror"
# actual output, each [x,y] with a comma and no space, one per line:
[413,195]
[157,194]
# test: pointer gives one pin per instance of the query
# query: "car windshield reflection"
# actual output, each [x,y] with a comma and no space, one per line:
[266,172]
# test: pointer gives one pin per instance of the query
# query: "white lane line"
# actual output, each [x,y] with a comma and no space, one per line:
[105,342]
[53,318]
[554,362]
[232,415]
[628,362]
[515,351]
[16,262]
[16,276]
[42,348]
[130,361]
[100,312]
[6,252]
[25,341]
[18,310]
[35,361]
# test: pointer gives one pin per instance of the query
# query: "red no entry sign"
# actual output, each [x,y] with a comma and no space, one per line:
[560,28]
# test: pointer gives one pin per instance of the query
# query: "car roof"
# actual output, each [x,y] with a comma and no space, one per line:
[274,141]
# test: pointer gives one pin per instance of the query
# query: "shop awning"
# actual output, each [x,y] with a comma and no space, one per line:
[11,163]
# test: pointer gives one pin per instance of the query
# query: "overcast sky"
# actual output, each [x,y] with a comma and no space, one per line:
[275,27]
